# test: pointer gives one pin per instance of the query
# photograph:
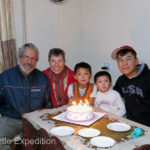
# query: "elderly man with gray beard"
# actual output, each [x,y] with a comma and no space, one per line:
[22,89]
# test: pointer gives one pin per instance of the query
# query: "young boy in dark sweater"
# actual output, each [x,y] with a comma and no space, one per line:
[133,85]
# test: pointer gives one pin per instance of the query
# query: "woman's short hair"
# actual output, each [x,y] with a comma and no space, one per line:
[56,52]
[29,45]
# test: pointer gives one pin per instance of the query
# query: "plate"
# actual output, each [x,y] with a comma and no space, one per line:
[88,132]
[118,126]
[102,141]
[62,131]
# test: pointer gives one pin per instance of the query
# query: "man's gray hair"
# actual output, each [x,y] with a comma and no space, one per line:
[29,45]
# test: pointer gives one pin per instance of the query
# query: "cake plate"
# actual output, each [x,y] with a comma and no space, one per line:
[61,117]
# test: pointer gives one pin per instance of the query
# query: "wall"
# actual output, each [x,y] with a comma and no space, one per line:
[109,24]
[87,29]
[19,22]
[51,25]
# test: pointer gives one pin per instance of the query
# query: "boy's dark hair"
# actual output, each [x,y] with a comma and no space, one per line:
[123,52]
[56,52]
[102,73]
[82,65]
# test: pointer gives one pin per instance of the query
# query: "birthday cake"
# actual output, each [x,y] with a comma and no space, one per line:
[78,113]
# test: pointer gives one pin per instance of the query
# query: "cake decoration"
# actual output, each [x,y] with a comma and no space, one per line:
[80,112]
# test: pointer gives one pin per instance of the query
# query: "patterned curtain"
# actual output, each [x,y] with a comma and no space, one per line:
[8,57]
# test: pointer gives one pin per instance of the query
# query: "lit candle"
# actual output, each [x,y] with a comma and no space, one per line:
[80,102]
[74,103]
[86,101]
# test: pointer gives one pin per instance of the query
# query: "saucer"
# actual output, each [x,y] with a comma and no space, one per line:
[62,131]
[118,126]
[102,141]
[88,132]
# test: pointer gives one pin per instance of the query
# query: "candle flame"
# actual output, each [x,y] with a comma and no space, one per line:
[86,101]
[81,103]
[73,103]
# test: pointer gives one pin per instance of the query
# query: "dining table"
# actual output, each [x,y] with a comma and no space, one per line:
[42,121]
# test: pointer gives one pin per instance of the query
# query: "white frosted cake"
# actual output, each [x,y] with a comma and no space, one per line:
[81,113]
